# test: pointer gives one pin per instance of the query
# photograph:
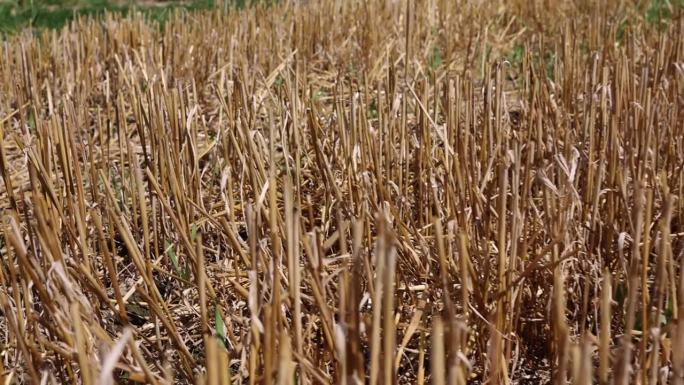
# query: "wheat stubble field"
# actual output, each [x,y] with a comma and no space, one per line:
[348,192]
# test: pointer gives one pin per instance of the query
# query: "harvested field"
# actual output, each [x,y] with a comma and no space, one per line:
[348,192]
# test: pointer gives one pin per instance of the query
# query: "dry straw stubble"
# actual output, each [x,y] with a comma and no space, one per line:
[345,192]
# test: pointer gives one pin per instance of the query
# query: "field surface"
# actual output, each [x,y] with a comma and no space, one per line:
[348,192]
